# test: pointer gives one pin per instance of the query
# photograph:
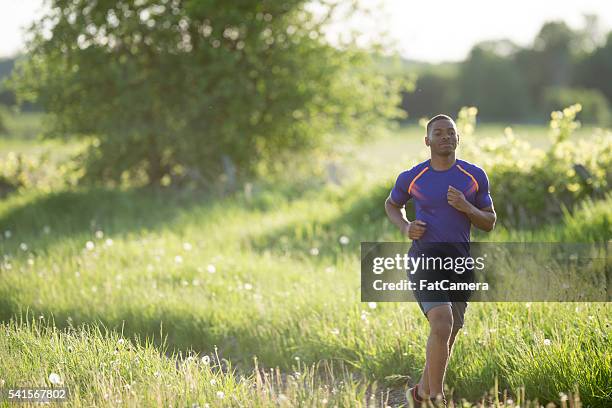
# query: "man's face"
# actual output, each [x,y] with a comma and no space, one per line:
[442,138]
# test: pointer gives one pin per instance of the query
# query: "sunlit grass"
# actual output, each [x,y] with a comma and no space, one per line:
[248,281]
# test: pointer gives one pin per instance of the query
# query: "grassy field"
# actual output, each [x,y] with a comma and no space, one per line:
[176,298]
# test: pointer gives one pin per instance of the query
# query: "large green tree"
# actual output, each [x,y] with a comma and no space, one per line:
[167,85]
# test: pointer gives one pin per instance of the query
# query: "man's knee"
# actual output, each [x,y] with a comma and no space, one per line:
[441,322]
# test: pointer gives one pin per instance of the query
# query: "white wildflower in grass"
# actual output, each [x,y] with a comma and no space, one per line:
[99,234]
[213,382]
[547,342]
[121,342]
[108,242]
[205,360]
[187,246]
[248,286]
[55,379]
[30,261]
[7,234]
[563,396]
[220,394]
[314,251]
[156,374]
[528,305]
[184,282]
[46,229]
[372,305]
[178,259]
[211,268]
[23,246]
[195,282]
[344,240]
[364,316]
[90,245]
[335,331]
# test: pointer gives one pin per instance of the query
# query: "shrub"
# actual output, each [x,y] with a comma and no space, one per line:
[20,171]
[530,185]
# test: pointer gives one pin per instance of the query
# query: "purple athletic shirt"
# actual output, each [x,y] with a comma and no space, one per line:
[428,188]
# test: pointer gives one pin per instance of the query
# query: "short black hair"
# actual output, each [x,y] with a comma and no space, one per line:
[437,118]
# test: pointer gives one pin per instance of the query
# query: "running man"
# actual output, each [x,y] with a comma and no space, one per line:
[449,196]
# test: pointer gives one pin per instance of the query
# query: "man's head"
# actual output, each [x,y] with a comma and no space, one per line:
[442,137]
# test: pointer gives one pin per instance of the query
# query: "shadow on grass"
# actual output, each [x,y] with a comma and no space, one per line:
[50,217]
[116,212]
[363,219]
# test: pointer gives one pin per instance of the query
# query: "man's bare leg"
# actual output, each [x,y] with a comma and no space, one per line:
[439,345]
[423,384]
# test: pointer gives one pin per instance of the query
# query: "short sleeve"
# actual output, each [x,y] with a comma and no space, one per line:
[399,193]
[483,196]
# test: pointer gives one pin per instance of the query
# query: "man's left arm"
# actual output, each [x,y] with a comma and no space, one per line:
[483,218]
[482,215]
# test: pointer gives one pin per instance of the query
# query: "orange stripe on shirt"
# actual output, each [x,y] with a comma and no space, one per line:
[416,178]
[472,177]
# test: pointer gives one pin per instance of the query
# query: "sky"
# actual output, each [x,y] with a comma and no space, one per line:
[427,30]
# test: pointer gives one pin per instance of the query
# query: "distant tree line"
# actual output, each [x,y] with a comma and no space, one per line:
[510,83]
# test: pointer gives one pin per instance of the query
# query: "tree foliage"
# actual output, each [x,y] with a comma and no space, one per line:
[165,88]
[595,69]
[494,84]
[512,83]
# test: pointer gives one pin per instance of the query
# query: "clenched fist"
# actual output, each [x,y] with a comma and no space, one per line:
[457,200]
[415,229]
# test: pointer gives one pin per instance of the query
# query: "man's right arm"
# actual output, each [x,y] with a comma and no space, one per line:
[397,215]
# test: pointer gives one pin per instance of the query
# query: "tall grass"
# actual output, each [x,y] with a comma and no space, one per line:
[242,274]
